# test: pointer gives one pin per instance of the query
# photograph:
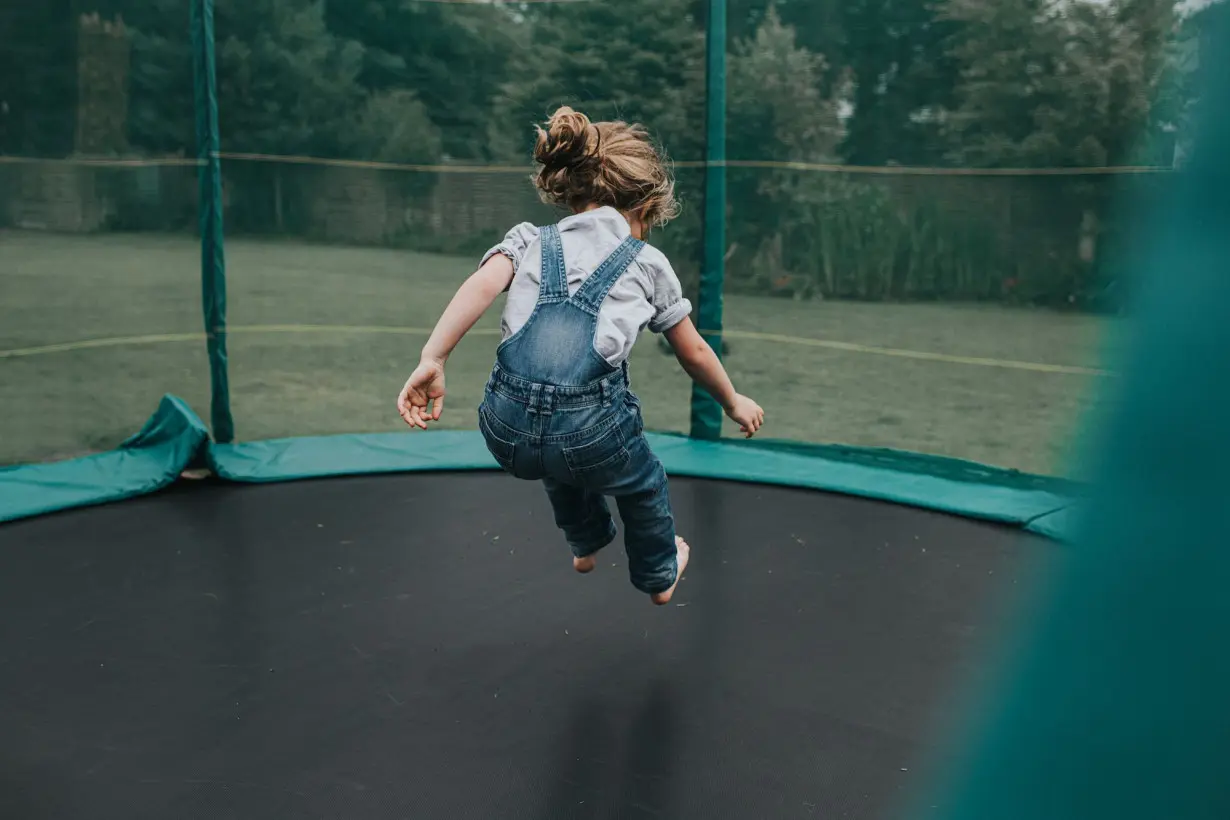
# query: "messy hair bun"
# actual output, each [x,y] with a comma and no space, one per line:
[569,142]
[606,163]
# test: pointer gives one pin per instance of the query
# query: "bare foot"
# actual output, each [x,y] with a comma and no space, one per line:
[684,551]
[584,565]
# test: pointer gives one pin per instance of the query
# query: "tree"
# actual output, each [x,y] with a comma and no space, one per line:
[778,111]
[638,60]
[453,57]
[1171,117]
[161,111]
[1044,84]
[38,78]
[903,79]
[776,103]
[817,24]
[286,84]
[393,126]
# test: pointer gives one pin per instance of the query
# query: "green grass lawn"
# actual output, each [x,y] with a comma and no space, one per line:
[289,381]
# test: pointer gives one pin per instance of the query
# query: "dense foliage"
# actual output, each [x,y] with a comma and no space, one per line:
[937,83]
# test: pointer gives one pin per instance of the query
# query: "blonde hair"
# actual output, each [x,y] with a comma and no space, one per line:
[603,163]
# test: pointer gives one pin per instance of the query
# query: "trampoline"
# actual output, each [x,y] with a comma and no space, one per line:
[369,625]
[419,646]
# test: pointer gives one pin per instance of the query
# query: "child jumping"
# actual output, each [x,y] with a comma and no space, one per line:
[557,406]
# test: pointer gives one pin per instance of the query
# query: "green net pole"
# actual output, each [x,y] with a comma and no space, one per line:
[213,259]
[706,413]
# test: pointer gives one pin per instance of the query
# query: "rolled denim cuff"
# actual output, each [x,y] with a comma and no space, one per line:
[588,546]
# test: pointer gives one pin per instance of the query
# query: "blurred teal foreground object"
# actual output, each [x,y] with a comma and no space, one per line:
[1116,706]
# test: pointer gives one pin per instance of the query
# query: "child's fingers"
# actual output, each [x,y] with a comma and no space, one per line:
[405,409]
[414,416]
[752,425]
[437,408]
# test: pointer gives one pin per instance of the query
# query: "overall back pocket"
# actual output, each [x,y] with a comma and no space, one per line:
[499,444]
[600,459]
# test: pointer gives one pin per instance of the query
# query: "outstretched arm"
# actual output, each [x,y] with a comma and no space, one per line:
[702,364]
[422,398]
[467,307]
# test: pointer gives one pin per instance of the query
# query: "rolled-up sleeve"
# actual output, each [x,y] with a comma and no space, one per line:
[669,305]
[515,244]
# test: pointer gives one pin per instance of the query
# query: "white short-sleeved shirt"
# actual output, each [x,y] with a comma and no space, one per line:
[648,295]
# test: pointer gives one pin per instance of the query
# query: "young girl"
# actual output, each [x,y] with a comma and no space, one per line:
[557,407]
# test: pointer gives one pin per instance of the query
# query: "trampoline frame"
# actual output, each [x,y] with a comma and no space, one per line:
[175,440]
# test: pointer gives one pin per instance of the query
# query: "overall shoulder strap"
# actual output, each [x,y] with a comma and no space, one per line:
[554,285]
[594,290]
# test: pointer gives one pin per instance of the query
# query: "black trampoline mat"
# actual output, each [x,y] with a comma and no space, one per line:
[418,646]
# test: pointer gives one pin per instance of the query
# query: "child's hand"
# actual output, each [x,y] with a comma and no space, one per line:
[747,414]
[425,386]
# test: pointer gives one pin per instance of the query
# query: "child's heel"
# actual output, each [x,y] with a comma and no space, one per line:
[682,556]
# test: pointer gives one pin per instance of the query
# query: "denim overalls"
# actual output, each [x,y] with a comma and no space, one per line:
[557,411]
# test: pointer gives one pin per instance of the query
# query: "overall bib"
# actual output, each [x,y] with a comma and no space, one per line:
[556,411]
